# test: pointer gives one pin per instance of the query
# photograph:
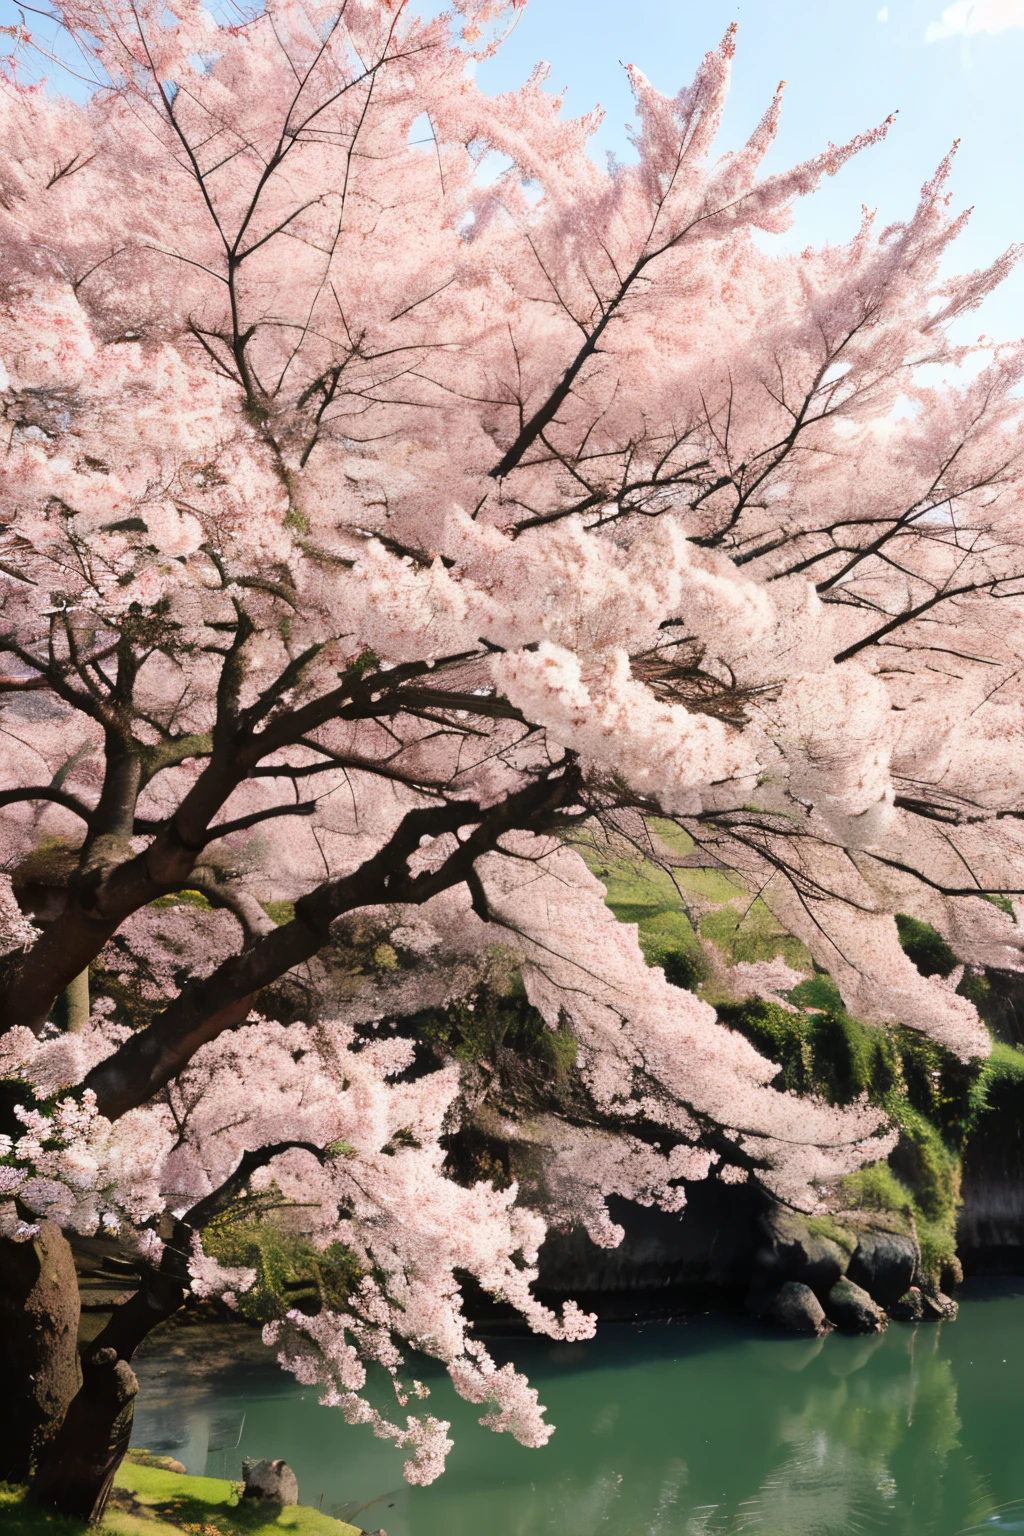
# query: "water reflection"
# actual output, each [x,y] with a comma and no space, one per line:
[704,1428]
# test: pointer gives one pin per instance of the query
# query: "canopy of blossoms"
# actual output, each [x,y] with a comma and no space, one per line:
[368,524]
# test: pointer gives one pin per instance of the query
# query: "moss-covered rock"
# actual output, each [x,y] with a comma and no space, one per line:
[795,1252]
[885,1265]
[796,1308]
[851,1308]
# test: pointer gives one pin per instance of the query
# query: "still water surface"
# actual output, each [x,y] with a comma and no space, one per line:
[703,1427]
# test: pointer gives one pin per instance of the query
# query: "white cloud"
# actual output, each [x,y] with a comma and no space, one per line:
[968,17]
[883,14]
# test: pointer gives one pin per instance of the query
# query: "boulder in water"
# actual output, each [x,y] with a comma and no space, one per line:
[797,1309]
[794,1252]
[853,1310]
[938,1308]
[271,1480]
[909,1308]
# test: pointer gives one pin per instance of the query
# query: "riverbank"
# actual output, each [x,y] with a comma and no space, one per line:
[151,1501]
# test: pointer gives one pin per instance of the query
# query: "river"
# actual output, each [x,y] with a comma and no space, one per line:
[708,1426]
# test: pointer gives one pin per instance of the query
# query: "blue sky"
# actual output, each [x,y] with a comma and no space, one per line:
[953,71]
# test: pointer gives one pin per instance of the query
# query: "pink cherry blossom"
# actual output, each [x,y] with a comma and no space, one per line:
[369,534]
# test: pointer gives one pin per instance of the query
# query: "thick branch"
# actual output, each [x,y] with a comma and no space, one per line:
[223,1197]
[47,792]
[204,1009]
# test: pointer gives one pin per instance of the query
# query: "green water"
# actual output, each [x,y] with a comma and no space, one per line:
[704,1427]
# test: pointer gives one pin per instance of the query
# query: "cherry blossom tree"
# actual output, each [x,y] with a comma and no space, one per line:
[373,522]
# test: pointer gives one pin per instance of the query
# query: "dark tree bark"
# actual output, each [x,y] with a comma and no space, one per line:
[39,1368]
[75,1470]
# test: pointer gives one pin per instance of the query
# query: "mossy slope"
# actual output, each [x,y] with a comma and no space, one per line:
[937,1101]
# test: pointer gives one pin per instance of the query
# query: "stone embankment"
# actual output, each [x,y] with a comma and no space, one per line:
[853,1271]
[990,1228]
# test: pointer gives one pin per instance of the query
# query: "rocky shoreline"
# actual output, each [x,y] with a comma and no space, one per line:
[806,1274]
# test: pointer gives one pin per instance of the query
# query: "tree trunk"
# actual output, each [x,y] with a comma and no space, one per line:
[39,1367]
[75,1471]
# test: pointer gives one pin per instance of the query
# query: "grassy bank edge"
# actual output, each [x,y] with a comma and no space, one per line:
[154,1502]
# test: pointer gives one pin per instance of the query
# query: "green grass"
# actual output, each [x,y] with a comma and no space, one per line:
[279,912]
[638,888]
[747,930]
[640,891]
[19,1519]
[152,1502]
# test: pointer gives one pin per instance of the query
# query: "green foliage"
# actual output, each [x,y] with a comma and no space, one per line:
[931,1171]
[497,1018]
[937,1241]
[976,987]
[935,1181]
[826,1053]
[385,958]
[852,1059]
[1003,903]
[928,1093]
[998,1085]
[926,948]
[1006,1064]
[781,1036]
[876,1188]
[935,1099]
[667,939]
[818,991]
[939,1086]
[290,1271]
